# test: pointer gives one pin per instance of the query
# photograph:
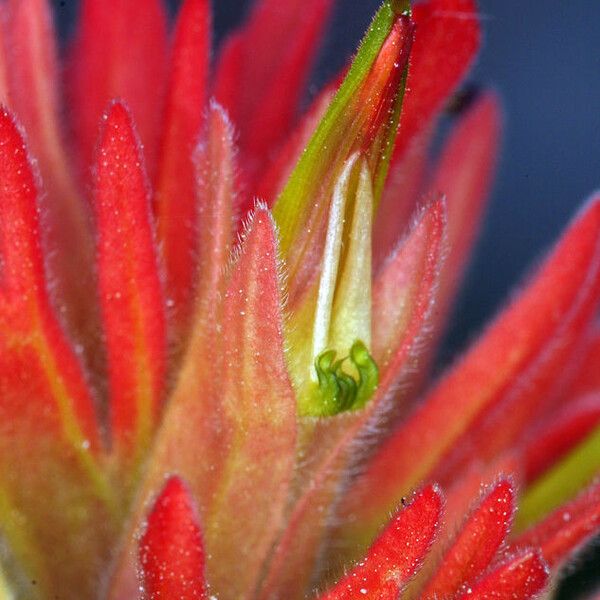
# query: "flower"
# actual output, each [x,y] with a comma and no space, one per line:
[186,414]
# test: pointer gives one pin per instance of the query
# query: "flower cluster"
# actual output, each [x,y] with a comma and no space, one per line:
[218,318]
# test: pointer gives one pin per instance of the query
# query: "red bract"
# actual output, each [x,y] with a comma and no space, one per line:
[521,576]
[476,544]
[129,286]
[171,553]
[397,553]
[190,413]
[110,58]
[260,88]
[176,205]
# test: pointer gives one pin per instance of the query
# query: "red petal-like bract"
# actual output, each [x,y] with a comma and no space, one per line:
[463,176]
[566,529]
[401,195]
[170,551]
[557,305]
[4,62]
[554,437]
[446,41]
[397,553]
[129,286]
[176,198]
[194,393]
[259,416]
[261,87]
[522,576]
[404,295]
[460,494]
[33,80]
[215,170]
[476,544]
[119,51]
[587,377]
[49,444]
[32,52]
[272,181]
[230,427]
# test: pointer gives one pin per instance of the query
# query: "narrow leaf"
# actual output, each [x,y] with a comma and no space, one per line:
[522,576]
[259,413]
[476,543]
[176,197]
[171,553]
[50,447]
[119,51]
[396,555]
[33,81]
[129,285]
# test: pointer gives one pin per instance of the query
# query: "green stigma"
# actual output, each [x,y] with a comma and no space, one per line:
[338,390]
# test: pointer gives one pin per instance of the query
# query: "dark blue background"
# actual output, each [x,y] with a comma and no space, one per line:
[544,58]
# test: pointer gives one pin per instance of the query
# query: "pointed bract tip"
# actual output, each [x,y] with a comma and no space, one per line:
[171,552]
[258,217]
[117,114]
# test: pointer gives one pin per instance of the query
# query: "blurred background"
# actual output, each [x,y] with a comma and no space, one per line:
[544,59]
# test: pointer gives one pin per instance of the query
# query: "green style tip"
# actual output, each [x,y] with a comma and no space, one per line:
[337,390]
